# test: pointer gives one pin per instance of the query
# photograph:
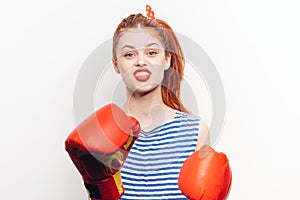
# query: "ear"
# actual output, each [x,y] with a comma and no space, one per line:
[116,67]
[168,61]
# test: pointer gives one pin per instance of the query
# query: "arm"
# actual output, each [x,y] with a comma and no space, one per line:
[203,134]
[98,148]
[206,174]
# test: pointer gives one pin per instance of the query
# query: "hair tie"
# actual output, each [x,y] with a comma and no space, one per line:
[150,12]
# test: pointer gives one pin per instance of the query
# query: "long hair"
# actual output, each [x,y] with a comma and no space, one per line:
[170,87]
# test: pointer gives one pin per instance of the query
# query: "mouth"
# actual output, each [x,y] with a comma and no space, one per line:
[142,74]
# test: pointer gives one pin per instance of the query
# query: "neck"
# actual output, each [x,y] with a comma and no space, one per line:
[148,108]
[143,103]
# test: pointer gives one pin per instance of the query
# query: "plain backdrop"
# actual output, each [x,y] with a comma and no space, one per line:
[253,44]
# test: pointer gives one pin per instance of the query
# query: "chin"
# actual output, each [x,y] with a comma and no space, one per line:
[146,89]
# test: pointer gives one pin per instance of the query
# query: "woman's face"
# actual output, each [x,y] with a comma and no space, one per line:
[141,60]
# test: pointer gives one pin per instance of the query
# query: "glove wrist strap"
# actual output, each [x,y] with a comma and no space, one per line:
[107,189]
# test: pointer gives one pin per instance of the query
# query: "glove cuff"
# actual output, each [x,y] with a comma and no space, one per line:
[107,189]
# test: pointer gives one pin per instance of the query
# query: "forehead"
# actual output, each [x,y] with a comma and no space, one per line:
[138,38]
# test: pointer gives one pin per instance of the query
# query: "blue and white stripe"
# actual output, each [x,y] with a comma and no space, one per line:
[152,167]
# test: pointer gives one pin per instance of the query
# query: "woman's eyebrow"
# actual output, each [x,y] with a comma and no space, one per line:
[128,46]
[132,47]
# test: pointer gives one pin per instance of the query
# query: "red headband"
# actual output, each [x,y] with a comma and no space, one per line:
[150,12]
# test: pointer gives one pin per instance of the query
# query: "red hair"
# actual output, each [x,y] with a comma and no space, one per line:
[170,87]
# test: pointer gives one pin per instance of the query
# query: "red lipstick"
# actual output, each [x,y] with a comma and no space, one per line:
[142,74]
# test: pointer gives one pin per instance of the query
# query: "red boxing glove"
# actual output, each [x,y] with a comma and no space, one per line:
[205,175]
[98,148]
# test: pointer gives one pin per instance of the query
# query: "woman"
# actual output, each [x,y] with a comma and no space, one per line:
[148,56]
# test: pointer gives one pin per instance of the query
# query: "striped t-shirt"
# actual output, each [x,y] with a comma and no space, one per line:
[152,167]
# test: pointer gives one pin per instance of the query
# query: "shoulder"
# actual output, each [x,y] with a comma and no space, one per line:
[203,129]
[187,116]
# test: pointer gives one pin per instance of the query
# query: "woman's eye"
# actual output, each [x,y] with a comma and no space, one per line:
[128,55]
[152,53]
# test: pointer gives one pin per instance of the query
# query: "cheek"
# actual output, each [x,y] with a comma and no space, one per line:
[125,67]
[158,73]
[161,63]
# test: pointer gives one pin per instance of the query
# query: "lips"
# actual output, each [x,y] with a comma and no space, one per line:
[142,74]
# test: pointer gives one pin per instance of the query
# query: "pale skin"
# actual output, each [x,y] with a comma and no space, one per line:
[139,49]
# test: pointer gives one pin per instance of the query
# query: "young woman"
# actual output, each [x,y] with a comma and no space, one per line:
[148,56]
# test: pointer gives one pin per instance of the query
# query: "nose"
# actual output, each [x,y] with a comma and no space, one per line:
[141,60]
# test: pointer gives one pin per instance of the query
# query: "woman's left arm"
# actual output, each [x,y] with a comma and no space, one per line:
[203,134]
[206,174]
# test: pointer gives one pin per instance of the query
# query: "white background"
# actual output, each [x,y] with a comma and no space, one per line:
[254,45]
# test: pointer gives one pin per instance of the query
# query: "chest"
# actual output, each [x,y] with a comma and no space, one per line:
[162,151]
